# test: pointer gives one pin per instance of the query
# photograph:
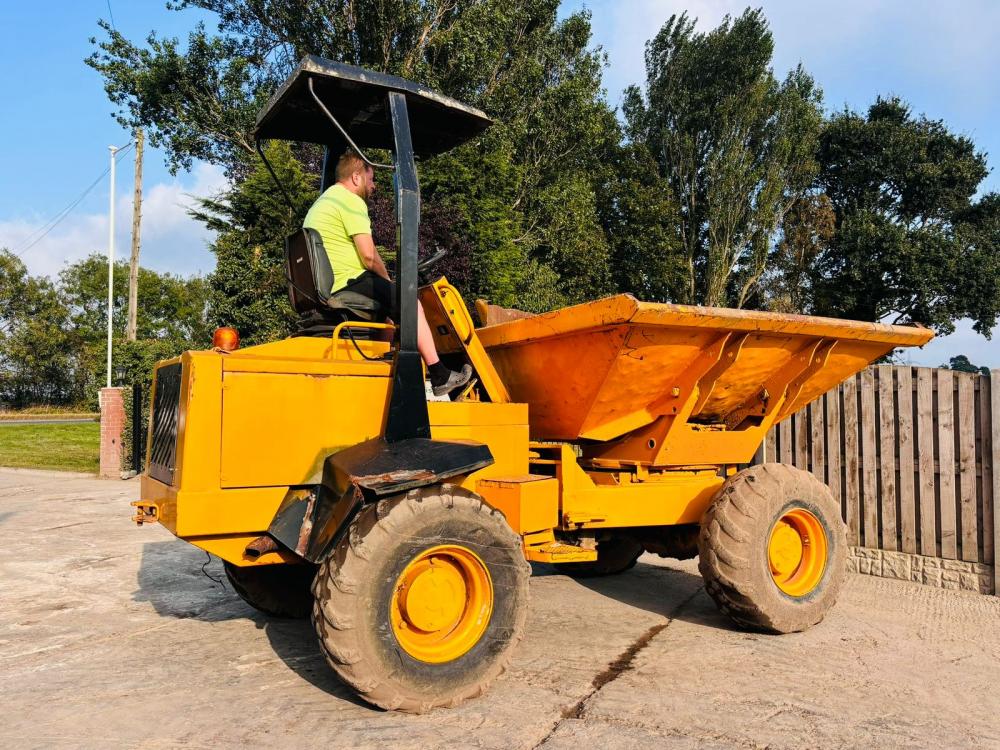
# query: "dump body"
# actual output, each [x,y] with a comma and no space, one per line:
[609,369]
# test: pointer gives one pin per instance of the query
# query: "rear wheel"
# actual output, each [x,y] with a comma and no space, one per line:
[614,555]
[277,590]
[773,549]
[423,601]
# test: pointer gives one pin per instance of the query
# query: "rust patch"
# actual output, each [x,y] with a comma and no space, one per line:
[394,477]
[307,526]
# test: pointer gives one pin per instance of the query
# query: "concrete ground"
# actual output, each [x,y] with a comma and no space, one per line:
[113,636]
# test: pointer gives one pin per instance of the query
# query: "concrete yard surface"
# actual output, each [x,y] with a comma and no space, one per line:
[116,636]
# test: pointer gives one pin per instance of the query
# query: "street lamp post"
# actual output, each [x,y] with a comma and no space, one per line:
[111,255]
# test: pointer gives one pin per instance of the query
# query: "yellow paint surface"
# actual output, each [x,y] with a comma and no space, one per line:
[622,369]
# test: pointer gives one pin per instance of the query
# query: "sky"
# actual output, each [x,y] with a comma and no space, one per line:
[56,123]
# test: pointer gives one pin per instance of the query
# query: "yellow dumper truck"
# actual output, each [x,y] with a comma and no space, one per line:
[317,469]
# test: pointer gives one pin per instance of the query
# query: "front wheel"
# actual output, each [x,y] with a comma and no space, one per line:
[422,602]
[773,549]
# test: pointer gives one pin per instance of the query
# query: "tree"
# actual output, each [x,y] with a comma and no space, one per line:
[53,336]
[251,221]
[641,217]
[961,363]
[524,192]
[911,244]
[35,347]
[806,233]
[735,147]
[171,308]
[440,230]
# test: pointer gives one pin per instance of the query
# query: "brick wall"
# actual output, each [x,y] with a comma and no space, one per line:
[112,430]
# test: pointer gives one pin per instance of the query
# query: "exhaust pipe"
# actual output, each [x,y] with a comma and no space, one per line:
[260,546]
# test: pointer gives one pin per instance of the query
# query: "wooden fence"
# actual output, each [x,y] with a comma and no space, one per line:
[913,453]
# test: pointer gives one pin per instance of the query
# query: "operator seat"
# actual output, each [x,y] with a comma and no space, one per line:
[310,279]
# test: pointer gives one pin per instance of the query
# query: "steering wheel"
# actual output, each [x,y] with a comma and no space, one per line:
[425,267]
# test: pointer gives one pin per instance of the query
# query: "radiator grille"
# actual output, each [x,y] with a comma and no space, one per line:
[165,416]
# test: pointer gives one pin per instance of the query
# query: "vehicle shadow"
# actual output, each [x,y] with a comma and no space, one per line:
[180,581]
[662,589]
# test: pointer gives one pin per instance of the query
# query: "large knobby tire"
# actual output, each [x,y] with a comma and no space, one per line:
[277,590]
[360,593]
[614,555]
[749,566]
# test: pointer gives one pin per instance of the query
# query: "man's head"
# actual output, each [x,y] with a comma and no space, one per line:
[355,175]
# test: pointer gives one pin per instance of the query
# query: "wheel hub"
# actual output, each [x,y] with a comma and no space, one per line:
[434,596]
[797,552]
[442,603]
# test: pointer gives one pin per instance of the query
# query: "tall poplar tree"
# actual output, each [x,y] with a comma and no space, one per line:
[734,146]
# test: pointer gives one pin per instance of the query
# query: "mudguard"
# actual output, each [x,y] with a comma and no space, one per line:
[311,519]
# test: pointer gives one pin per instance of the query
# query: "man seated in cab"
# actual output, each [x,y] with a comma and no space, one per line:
[340,215]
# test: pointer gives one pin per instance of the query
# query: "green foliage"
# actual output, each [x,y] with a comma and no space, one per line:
[251,221]
[53,336]
[171,308]
[196,96]
[36,363]
[911,244]
[806,232]
[734,146]
[961,363]
[641,218]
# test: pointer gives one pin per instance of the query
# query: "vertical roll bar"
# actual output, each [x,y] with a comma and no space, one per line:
[407,414]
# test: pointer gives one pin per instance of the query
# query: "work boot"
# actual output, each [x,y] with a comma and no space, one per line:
[453,381]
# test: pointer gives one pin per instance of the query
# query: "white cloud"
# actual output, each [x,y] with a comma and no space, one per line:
[171,240]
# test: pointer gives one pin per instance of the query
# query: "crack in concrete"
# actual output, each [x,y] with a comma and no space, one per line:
[616,668]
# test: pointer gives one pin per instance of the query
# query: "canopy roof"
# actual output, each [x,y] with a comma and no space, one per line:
[358,99]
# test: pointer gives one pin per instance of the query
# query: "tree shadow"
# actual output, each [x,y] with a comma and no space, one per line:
[180,581]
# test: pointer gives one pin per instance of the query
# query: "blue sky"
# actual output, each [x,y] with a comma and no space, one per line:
[55,122]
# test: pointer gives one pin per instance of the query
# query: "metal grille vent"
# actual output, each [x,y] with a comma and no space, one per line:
[165,416]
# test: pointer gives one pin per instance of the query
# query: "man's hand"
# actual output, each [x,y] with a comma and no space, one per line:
[369,255]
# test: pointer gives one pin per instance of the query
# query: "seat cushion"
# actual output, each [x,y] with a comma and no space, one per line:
[353,301]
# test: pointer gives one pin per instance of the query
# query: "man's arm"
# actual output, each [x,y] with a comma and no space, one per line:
[369,255]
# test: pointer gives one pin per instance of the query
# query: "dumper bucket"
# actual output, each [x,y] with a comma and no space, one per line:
[604,369]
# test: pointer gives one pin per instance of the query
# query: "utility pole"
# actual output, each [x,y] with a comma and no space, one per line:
[133,276]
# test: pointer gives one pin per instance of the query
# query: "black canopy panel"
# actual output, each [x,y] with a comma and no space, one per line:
[358,99]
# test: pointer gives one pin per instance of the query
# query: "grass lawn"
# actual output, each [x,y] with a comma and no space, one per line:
[66,447]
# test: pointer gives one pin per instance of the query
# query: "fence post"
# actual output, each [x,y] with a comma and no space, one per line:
[138,434]
[995,421]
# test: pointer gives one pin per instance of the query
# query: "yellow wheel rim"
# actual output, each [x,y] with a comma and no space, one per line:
[441,603]
[797,552]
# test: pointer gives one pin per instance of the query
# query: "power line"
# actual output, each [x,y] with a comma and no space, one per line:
[112,16]
[52,223]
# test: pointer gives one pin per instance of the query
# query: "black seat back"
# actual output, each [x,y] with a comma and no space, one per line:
[307,267]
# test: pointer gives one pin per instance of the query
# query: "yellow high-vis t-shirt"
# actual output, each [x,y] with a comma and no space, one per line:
[338,215]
